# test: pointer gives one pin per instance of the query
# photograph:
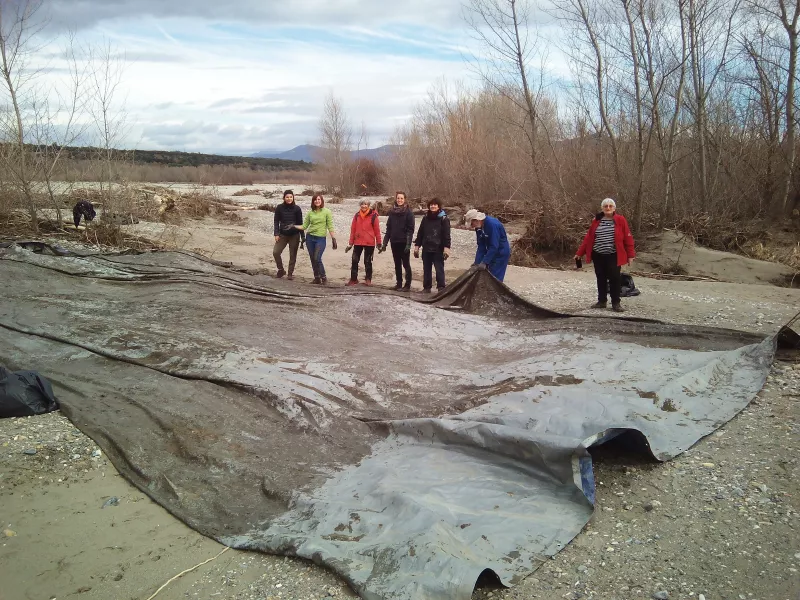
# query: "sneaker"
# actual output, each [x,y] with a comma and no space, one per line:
[617,307]
[280,273]
[316,280]
[426,290]
[368,282]
[352,282]
[600,305]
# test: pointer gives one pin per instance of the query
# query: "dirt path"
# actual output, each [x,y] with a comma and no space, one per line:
[721,520]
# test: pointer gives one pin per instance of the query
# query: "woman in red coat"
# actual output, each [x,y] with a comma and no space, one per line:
[609,244]
[365,235]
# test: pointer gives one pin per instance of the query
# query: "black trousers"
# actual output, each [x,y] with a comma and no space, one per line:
[608,277]
[402,260]
[430,260]
[368,251]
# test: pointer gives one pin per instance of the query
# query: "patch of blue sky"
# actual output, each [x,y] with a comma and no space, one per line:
[395,40]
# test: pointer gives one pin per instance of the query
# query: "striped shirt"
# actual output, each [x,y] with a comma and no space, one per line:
[604,237]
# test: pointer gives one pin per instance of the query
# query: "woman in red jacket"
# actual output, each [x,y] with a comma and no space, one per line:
[365,235]
[609,244]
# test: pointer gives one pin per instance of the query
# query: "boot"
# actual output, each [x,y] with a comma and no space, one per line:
[617,307]
[316,280]
[407,286]
[600,305]
[280,273]
[398,287]
[324,281]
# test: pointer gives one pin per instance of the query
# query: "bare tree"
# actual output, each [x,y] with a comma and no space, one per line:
[664,64]
[586,18]
[709,28]
[18,32]
[787,13]
[57,124]
[502,27]
[336,140]
[107,110]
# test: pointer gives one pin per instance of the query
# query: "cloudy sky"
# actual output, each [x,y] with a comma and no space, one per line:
[246,75]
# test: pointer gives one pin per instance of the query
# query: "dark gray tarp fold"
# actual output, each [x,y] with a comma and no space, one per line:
[407,447]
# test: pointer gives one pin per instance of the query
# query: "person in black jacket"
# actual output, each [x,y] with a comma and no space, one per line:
[433,237]
[287,215]
[399,233]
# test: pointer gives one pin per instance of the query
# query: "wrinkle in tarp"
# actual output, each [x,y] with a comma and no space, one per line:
[408,444]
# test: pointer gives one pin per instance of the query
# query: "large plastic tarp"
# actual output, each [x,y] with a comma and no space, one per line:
[408,443]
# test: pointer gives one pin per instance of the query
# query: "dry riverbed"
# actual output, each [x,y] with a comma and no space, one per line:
[720,522]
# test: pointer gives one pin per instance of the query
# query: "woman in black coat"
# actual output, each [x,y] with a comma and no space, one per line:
[399,233]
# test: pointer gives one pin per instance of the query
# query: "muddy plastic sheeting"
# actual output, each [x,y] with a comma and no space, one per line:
[408,443]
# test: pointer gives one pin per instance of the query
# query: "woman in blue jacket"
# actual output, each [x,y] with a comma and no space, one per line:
[494,251]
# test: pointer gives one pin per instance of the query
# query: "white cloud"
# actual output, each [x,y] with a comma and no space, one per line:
[248,75]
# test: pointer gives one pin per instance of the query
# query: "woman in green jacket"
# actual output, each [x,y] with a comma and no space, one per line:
[317,224]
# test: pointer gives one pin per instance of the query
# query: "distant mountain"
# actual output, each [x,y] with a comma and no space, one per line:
[310,152]
[303,153]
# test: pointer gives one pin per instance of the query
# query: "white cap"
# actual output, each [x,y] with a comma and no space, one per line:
[608,201]
[474,214]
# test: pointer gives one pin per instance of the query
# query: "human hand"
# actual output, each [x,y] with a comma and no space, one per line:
[381,249]
[577,256]
[416,252]
[446,253]
[277,237]
[333,242]
[630,262]
[408,248]
[346,250]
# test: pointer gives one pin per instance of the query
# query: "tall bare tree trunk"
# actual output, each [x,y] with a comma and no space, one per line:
[790,25]
[669,153]
[13,40]
[698,85]
[599,74]
[640,141]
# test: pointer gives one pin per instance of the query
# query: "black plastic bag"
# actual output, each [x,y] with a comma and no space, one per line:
[628,288]
[25,393]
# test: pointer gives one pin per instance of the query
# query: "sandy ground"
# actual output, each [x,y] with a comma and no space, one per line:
[720,522]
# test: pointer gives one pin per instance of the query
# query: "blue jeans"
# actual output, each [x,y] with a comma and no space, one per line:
[316,246]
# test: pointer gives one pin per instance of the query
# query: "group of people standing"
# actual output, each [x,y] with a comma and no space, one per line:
[432,239]
[608,243]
